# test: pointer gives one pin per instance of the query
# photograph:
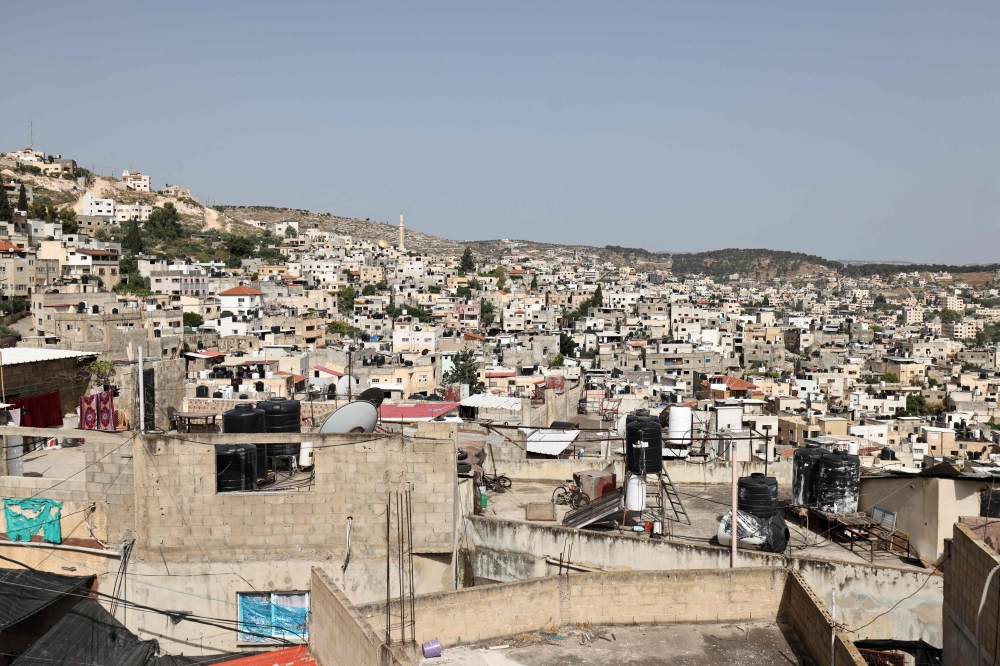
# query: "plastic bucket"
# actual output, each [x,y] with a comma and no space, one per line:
[432,648]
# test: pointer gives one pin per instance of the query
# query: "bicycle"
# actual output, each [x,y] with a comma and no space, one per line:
[573,496]
[497,483]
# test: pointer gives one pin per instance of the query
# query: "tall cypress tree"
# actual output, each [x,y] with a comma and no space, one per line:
[6,214]
[22,199]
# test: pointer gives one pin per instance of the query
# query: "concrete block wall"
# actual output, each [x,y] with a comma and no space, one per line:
[811,621]
[679,471]
[179,511]
[339,634]
[969,561]
[647,597]
[507,550]
[106,480]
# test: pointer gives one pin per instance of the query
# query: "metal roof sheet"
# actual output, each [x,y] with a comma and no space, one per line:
[17,355]
[551,442]
[490,401]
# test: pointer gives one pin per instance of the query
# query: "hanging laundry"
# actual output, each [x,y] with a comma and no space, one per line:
[40,411]
[106,410]
[88,412]
[25,517]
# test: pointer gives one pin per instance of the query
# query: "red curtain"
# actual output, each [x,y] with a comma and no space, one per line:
[40,411]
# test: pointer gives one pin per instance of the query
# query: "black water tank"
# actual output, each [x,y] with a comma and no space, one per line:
[217,394]
[838,483]
[236,467]
[803,470]
[243,419]
[643,446]
[989,503]
[259,387]
[201,391]
[282,415]
[887,454]
[758,494]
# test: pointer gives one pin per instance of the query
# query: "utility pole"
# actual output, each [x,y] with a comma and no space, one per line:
[142,397]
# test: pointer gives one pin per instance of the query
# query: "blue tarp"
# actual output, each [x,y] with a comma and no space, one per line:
[26,517]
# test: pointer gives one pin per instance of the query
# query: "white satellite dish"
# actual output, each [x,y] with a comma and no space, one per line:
[353,417]
[342,388]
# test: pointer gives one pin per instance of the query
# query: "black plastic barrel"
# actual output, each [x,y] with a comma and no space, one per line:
[643,446]
[758,494]
[803,469]
[236,467]
[217,394]
[243,419]
[282,415]
[838,483]
[989,503]
[201,391]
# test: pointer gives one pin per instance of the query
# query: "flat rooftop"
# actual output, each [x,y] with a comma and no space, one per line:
[678,645]
[705,505]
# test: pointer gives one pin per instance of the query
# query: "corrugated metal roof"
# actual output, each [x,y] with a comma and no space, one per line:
[551,442]
[17,355]
[490,401]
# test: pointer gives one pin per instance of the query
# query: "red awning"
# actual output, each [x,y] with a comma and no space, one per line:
[421,412]
[328,371]
[293,656]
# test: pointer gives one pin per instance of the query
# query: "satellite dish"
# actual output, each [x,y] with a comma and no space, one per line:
[342,385]
[383,244]
[354,417]
[374,395]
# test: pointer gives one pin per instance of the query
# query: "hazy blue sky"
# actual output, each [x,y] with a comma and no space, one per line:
[862,130]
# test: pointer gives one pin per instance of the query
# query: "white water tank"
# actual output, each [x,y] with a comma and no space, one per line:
[852,448]
[306,454]
[635,494]
[679,426]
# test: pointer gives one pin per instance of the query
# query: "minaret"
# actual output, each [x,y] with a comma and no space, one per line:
[402,247]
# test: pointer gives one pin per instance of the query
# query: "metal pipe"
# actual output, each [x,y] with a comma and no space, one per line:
[79,549]
[735,536]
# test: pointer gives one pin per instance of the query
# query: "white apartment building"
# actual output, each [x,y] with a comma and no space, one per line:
[135,181]
[139,211]
[98,207]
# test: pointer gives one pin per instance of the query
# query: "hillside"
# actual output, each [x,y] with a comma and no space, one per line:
[760,263]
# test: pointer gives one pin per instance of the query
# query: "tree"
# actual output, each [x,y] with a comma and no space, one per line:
[128,264]
[102,235]
[193,320]
[463,292]
[290,232]
[486,311]
[534,283]
[345,300]
[890,378]
[567,345]
[6,214]
[468,261]
[369,289]
[598,298]
[132,237]
[227,313]
[558,361]
[69,223]
[165,223]
[949,316]
[465,372]
[22,199]
[500,273]
[474,283]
